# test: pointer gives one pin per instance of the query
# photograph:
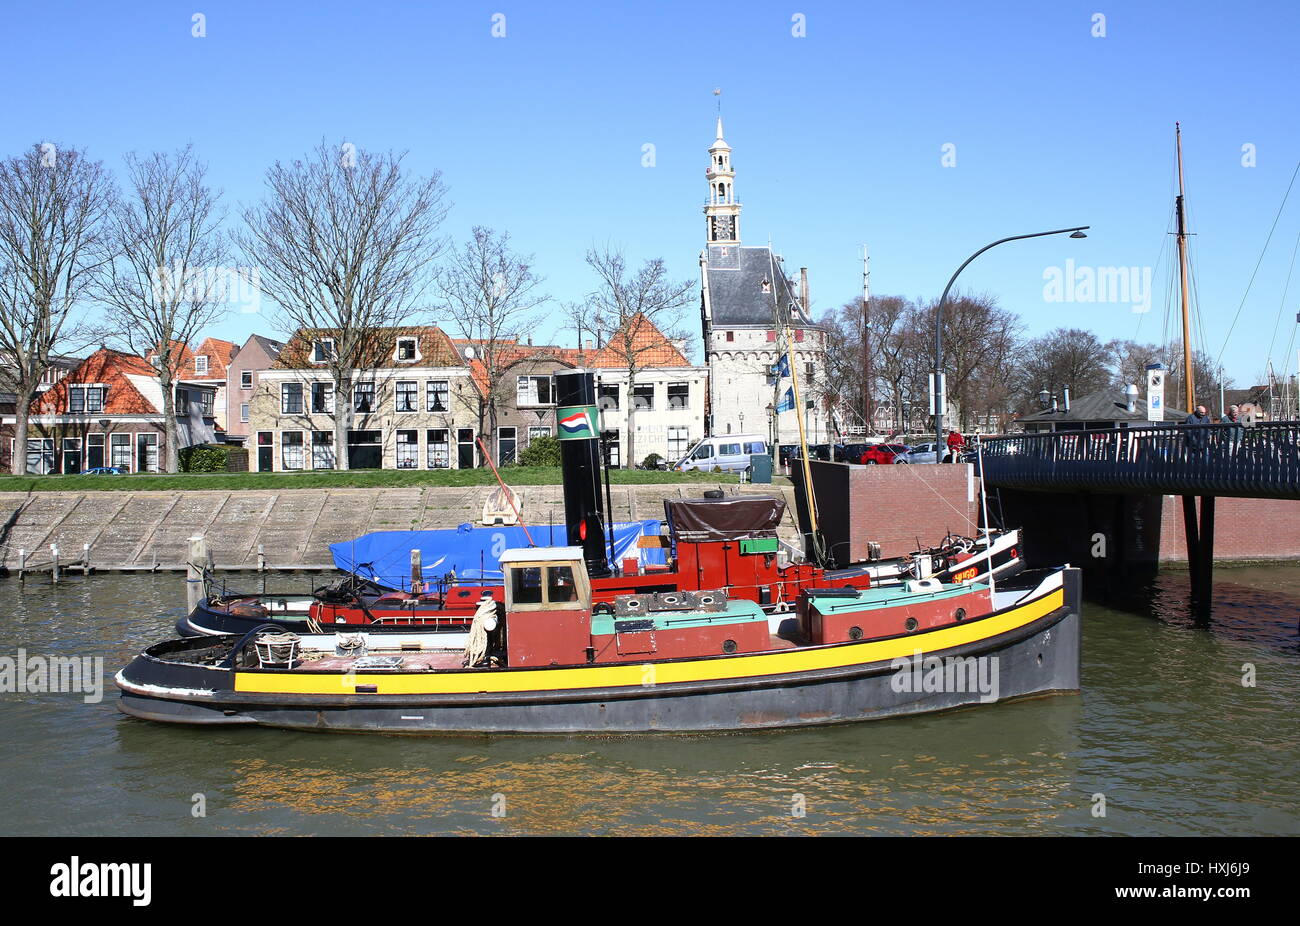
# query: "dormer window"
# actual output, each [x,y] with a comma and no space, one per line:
[201,365]
[322,350]
[406,350]
[766,286]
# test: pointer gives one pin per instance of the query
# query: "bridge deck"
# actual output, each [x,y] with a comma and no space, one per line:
[1262,461]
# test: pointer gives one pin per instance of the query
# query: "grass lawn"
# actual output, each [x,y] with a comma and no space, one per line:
[329,479]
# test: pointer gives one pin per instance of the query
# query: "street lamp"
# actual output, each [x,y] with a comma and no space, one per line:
[1076,232]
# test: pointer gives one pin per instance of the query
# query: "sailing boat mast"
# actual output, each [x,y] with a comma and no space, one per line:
[1188,377]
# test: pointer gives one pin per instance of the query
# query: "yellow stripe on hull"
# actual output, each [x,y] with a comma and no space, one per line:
[635,675]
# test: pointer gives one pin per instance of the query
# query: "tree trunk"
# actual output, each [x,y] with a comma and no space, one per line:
[342,418]
[631,423]
[18,465]
[171,437]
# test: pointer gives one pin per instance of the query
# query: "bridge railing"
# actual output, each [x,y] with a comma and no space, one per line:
[1224,459]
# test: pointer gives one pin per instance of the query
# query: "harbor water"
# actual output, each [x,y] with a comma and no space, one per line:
[1164,739]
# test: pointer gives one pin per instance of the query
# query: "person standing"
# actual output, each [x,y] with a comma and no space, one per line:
[1233,417]
[1197,437]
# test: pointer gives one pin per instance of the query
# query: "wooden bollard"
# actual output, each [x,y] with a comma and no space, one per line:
[85,559]
[54,563]
[194,572]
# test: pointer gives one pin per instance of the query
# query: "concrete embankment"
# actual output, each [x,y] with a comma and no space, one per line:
[294,527]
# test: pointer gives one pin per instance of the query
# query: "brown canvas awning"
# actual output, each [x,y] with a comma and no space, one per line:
[736,518]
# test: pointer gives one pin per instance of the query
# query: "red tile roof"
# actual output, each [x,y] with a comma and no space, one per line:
[107,368]
[435,347]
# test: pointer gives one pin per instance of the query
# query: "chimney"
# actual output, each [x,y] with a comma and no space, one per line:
[1130,398]
[1065,391]
[803,289]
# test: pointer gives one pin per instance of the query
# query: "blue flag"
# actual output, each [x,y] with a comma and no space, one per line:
[783,366]
[787,402]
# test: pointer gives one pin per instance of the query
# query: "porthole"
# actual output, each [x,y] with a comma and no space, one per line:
[910,624]
[855,633]
[959,614]
[728,646]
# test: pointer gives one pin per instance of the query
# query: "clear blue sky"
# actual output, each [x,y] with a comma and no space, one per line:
[837,135]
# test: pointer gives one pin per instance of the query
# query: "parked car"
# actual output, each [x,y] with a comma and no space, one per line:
[105,471]
[729,453]
[884,453]
[920,453]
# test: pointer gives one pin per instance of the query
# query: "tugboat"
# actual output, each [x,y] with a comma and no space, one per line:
[550,659]
[729,544]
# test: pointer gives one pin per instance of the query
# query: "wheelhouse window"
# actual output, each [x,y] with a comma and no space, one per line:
[408,449]
[291,449]
[407,396]
[406,350]
[608,397]
[536,390]
[364,397]
[291,398]
[679,395]
[436,395]
[643,397]
[322,350]
[322,398]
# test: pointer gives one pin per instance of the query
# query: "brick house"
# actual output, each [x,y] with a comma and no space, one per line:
[204,366]
[256,356]
[108,411]
[411,406]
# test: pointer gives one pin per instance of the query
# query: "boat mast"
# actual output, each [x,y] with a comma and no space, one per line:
[868,401]
[1188,378]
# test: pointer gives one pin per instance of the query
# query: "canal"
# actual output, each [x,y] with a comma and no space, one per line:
[1165,738]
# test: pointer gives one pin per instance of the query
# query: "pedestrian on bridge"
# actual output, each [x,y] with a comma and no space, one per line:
[1233,417]
[1197,438]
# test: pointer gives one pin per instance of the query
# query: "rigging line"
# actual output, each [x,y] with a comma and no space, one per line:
[1251,282]
[1282,305]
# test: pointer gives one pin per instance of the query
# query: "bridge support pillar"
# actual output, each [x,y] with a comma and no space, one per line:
[1199,532]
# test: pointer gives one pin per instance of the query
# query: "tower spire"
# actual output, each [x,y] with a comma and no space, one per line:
[721,209]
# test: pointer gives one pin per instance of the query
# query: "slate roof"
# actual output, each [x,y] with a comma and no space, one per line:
[736,297]
[1105,405]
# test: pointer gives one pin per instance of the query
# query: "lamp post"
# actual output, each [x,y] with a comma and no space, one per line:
[939,396]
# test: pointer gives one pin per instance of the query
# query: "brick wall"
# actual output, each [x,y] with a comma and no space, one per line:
[1244,528]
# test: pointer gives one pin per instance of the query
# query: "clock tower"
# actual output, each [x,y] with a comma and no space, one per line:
[722,211]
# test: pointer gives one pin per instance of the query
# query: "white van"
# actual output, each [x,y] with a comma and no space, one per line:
[728,452]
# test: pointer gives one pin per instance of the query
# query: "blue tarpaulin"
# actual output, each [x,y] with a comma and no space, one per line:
[473,553]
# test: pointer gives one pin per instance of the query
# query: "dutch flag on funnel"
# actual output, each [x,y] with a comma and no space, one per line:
[577,422]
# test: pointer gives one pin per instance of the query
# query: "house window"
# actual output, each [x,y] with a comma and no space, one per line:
[798,335]
[322,398]
[364,397]
[507,444]
[322,350]
[543,430]
[679,395]
[40,455]
[536,390]
[771,337]
[731,335]
[406,349]
[364,450]
[808,373]
[438,448]
[465,456]
[436,395]
[94,451]
[72,454]
[119,451]
[643,397]
[243,411]
[84,399]
[291,450]
[609,445]
[291,398]
[201,365]
[408,449]
[322,449]
[608,396]
[407,398]
[246,379]
[146,452]
[677,442]
[182,403]
[208,401]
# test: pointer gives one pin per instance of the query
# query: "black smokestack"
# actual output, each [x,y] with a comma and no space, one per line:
[578,420]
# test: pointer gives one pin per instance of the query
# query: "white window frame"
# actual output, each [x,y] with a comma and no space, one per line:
[245,379]
[201,365]
[414,396]
[329,398]
[285,390]
[526,395]
[316,351]
[322,454]
[431,460]
[406,454]
[285,447]
[415,350]
[243,412]
[429,393]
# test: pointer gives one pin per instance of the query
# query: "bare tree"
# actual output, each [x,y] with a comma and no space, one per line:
[489,292]
[1066,357]
[344,243]
[628,312]
[978,335]
[164,285]
[53,203]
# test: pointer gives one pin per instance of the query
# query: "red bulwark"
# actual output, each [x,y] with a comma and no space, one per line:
[548,638]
